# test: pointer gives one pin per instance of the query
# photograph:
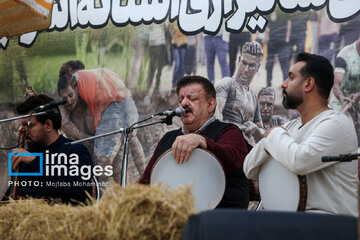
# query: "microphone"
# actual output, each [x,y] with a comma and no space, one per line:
[330,158]
[179,112]
[50,105]
[341,158]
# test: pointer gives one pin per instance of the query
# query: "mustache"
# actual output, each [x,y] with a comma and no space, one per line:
[284,92]
[187,109]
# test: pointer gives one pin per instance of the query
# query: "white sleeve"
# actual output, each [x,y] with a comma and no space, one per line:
[253,161]
[328,137]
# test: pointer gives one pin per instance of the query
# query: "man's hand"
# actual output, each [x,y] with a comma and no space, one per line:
[184,145]
[345,100]
[356,97]
[268,131]
[249,127]
[15,160]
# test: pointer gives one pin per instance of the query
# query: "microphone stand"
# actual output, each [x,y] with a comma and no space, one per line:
[25,116]
[127,131]
[167,121]
[346,158]
[48,111]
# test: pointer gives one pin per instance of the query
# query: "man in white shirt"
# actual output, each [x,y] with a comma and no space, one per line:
[319,131]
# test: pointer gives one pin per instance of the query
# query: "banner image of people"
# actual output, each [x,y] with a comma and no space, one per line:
[119,62]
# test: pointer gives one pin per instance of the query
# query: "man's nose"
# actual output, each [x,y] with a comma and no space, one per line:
[184,102]
[246,68]
[285,83]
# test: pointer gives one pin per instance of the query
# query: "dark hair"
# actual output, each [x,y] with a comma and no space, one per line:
[253,48]
[266,91]
[320,69]
[204,82]
[65,81]
[65,75]
[70,66]
[34,101]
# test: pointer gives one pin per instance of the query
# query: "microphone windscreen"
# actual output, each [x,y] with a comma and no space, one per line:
[180,112]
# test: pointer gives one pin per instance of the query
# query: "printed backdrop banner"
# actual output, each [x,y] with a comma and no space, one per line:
[151,44]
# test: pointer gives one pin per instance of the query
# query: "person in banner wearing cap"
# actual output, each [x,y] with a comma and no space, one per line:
[300,144]
[200,130]
[56,182]
[237,103]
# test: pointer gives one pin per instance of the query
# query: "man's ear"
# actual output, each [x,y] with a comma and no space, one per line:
[309,84]
[258,67]
[211,104]
[48,125]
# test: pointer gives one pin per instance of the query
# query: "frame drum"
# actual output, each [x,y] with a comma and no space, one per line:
[279,188]
[203,171]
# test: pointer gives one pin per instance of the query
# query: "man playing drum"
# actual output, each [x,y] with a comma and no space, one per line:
[319,131]
[201,130]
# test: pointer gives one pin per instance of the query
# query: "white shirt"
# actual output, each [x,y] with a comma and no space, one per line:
[332,186]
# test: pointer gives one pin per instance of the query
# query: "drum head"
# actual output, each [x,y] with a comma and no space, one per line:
[279,188]
[203,171]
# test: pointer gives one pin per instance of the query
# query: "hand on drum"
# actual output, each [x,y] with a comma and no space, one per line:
[185,144]
[15,160]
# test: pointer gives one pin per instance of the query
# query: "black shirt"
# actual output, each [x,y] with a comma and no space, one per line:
[67,177]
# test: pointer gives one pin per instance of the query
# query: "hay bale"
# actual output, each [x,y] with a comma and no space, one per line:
[136,212]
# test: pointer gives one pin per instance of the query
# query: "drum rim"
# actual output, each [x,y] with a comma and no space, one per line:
[169,150]
[303,193]
[205,150]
